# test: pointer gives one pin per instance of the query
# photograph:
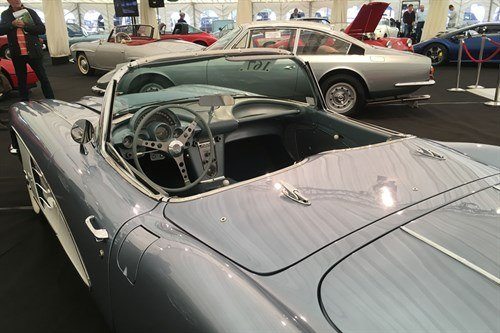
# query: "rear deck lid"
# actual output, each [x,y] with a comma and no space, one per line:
[264,231]
[367,19]
[440,272]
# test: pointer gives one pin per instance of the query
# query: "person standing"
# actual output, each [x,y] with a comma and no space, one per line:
[25,47]
[408,20]
[182,16]
[295,15]
[421,16]
[452,17]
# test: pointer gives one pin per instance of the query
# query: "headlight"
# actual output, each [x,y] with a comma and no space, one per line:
[409,42]
[388,44]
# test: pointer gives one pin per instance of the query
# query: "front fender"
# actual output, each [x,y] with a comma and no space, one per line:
[487,154]
[182,285]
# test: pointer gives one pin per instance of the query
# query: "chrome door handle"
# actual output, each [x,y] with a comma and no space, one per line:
[99,234]
[290,67]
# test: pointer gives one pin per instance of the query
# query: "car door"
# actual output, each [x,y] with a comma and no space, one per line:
[278,74]
[109,54]
[96,200]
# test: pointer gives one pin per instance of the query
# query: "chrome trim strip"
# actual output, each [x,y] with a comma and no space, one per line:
[86,278]
[97,90]
[418,83]
[452,255]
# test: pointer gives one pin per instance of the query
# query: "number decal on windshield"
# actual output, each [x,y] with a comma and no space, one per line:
[257,66]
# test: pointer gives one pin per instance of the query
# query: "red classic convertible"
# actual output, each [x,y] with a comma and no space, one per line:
[366,22]
[189,34]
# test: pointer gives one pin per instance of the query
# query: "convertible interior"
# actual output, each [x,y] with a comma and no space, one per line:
[210,123]
[251,138]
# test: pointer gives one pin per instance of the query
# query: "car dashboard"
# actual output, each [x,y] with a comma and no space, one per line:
[248,118]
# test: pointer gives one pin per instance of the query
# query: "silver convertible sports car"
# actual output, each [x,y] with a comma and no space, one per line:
[350,72]
[124,43]
[236,202]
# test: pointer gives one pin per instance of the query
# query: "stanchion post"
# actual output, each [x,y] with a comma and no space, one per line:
[459,67]
[479,65]
[496,101]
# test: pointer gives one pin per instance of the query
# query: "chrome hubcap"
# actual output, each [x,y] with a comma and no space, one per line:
[150,87]
[341,97]
[83,64]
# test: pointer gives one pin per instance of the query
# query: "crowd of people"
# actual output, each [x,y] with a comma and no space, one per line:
[413,21]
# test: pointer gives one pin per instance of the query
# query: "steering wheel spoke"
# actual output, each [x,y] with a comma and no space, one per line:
[175,147]
[182,168]
[157,145]
[188,132]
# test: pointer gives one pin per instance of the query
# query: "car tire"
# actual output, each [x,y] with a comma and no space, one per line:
[149,84]
[344,94]
[83,64]
[5,52]
[437,52]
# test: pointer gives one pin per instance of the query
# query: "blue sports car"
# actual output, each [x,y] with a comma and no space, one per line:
[444,47]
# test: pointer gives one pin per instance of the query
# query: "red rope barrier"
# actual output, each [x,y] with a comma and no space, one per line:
[484,59]
[493,42]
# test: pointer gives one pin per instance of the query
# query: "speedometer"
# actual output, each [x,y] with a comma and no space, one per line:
[162,132]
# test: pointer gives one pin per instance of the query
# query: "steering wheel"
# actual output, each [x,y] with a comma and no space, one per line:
[174,146]
[121,36]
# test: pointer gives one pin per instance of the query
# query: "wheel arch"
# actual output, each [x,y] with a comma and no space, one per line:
[345,71]
[151,75]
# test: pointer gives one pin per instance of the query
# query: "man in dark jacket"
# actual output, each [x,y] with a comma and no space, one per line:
[408,20]
[25,47]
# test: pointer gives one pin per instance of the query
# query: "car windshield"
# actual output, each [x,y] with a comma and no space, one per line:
[225,40]
[188,79]
[76,30]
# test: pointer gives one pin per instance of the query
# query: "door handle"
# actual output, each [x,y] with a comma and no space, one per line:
[290,67]
[99,234]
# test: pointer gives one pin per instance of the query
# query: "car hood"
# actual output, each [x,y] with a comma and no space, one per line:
[259,228]
[367,19]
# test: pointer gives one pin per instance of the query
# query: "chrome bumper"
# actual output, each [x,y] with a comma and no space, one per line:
[416,84]
[98,90]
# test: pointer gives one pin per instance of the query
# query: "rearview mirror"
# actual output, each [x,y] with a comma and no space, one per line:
[216,100]
[82,132]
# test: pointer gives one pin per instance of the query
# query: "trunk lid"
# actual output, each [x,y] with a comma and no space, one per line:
[262,230]
[367,19]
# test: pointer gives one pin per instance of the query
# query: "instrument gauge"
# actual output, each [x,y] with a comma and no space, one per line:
[162,132]
[127,141]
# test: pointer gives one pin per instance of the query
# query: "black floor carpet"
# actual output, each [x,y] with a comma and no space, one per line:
[39,289]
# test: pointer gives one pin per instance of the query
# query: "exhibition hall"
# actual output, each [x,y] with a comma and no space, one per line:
[249,166]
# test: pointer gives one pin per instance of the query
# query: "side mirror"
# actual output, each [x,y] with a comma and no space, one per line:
[82,132]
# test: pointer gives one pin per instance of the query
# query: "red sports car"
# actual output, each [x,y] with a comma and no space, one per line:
[7,68]
[366,22]
[188,33]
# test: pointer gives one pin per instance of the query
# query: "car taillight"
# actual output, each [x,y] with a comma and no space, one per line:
[431,73]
